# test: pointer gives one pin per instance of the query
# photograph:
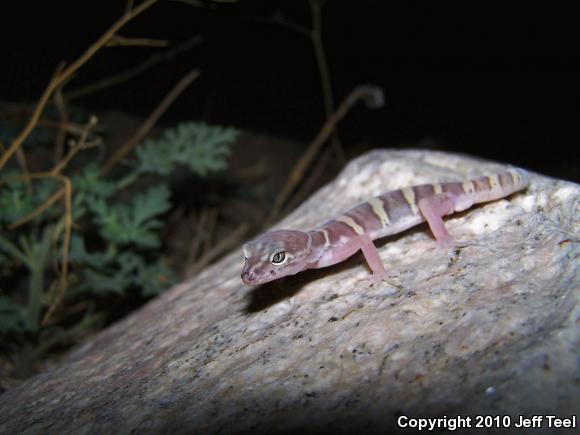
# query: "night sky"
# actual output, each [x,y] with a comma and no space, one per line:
[493,82]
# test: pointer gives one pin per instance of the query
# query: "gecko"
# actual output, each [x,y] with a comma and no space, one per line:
[279,253]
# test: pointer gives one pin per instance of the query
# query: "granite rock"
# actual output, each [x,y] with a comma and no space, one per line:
[490,329]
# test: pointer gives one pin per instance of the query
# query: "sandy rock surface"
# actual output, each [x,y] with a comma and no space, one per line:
[493,328]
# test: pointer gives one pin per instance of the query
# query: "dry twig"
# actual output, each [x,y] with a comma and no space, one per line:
[151,120]
[63,75]
[129,74]
[210,228]
[58,168]
[325,81]
[68,221]
[63,113]
[224,245]
[39,210]
[67,188]
[373,97]
[22,162]
[309,183]
[198,223]
[122,41]
[77,146]
[315,36]
[65,191]
[70,127]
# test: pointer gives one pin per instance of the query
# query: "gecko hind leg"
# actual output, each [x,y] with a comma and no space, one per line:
[433,208]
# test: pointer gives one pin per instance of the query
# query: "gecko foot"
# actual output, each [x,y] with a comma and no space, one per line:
[450,242]
[391,280]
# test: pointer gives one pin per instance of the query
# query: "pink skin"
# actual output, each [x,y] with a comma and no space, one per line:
[285,252]
[299,253]
[433,209]
[260,268]
[349,248]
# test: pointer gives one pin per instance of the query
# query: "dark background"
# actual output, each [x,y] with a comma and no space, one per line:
[490,81]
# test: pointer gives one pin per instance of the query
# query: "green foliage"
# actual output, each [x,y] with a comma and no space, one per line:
[115,248]
[18,198]
[134,222]
[12,317]
[111,271]
[91,183]
[198,146]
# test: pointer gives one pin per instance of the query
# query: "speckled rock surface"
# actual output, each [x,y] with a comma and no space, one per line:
[493,328]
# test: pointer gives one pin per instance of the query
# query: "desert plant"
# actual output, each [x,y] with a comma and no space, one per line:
[114,251]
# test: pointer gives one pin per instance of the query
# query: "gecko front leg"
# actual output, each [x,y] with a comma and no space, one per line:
[364,243]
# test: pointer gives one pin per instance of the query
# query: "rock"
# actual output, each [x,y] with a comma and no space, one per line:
[491,329]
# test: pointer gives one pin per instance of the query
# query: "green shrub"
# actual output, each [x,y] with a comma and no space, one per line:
[115,250]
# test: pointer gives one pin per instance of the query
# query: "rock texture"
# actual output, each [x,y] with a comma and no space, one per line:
[493,328]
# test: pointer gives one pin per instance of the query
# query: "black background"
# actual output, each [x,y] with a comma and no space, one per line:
[485,80]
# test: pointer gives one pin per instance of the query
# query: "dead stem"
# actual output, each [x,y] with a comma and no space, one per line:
[38,211]
[325,81]
[131,73]
[122,41]
[65,246]
[224,245]
[210,229]
[67,187]
[151,120]
[64,119]
[77,146]
[309,184]
[62,75]
[373,97]
[58,168]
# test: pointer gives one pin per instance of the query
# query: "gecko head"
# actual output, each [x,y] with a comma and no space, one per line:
[274,255]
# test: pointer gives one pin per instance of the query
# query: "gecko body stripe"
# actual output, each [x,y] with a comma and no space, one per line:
[326,238]
[409,195]
[379,209]
[515,176]
[347,220]
[468,187]
[493,182]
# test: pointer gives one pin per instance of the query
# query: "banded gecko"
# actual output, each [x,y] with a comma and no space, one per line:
[286,252]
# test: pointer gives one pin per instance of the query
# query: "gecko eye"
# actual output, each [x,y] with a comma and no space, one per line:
[278,257]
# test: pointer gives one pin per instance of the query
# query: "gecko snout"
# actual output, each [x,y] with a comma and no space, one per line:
[248,276]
